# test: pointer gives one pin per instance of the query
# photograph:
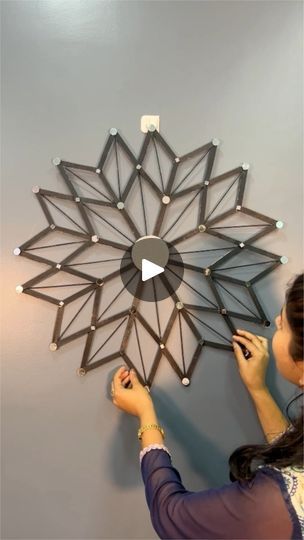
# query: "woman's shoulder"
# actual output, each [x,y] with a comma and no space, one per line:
[293,478]
[291,481]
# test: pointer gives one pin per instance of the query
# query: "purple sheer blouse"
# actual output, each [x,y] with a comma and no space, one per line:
[257,509]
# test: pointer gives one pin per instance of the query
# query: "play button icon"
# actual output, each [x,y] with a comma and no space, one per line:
[149,269]
[153,263]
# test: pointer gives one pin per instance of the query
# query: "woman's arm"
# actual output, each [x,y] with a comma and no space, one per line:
[136,400]
[151,436]
[271,418]
[253,374]
[231,511]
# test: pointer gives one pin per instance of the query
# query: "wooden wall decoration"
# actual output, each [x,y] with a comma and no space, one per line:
[211,273]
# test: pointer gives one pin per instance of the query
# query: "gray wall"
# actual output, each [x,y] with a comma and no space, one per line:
[71,70]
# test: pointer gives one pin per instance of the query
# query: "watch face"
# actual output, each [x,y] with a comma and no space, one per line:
[149,257]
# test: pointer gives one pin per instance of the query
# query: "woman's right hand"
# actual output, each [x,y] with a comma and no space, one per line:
[135,400]
[252,370]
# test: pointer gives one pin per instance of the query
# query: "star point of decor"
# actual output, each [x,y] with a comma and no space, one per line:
[87,254]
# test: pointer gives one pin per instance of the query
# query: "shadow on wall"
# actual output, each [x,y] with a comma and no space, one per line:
[203,456]
[124,467]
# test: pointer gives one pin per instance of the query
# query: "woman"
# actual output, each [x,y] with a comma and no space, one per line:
[262,502]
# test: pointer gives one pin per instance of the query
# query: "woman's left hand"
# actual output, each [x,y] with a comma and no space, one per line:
[252,370]
[135,400]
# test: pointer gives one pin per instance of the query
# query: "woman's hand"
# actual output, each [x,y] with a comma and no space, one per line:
[135,400]
[253,370]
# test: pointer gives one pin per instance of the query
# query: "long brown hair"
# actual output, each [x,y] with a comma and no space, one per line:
[287,449]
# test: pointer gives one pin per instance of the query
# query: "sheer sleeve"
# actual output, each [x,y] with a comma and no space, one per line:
[235,511]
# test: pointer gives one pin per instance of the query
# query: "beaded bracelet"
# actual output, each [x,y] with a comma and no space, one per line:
[150,426]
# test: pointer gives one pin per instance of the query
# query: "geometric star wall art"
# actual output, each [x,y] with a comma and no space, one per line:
[155,208]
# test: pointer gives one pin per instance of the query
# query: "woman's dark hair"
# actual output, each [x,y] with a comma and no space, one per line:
[287,449]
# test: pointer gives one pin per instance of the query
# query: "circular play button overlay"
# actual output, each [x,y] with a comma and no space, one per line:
[156,264]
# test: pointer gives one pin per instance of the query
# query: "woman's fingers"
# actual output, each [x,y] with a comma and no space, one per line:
[253,372]
[124,375]
[117,377]
[121,379]
[125,378]
[239,354]
[264,341]
[126,382]
[251,337]
[248,344]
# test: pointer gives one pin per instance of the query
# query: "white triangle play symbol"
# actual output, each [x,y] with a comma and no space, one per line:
[150,269]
